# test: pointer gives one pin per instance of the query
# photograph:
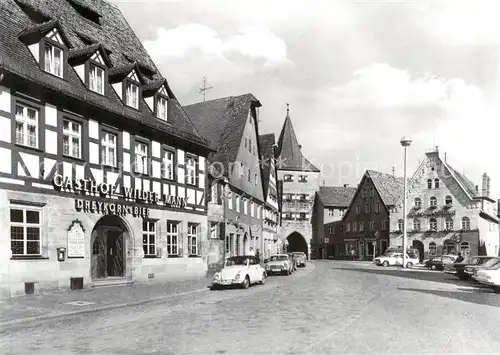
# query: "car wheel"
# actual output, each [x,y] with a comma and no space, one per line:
[246,282]
[287,272]
[433,267]
[385,263]
[409,265]
[263,281]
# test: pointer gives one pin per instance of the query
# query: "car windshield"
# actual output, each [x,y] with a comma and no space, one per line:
[491,262]
[278,258]
[236,261]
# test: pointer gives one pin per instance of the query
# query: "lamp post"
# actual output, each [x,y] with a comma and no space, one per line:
[405,142]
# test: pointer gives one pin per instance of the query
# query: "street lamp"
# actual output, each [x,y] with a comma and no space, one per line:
[405,142]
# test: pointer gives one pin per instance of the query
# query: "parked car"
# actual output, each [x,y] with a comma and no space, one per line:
[301,258]
[413,252]
[490,277]
[490,264]
[241,271]
[439,262]
[293,260]
[279,264]
[458,269]
[395,259]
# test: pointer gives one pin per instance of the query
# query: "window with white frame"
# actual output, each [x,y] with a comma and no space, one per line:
[230,200]
[417,202]
[372,225]
[214,230]
[108,149]
[361,226]
[53,60]
[330,212]
[358,209]
[341,212]
[214,193]
[400,224]
[149,237]
[161,108]
[288,178]
[237,204]
[96,79]
[465,224]
[433,201]
[384,224]
[377,207]
[252,209]
[72,138]
[192,239]
[432,224]
[302,178]
[429,183]
[167,166]
[449,224]
[131,95]
[191,170]
[416,224]
[26,126]
[172,238]
[436,183]
[25,230]
[245,206]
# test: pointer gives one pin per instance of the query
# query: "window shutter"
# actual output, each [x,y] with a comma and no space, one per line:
[222,231]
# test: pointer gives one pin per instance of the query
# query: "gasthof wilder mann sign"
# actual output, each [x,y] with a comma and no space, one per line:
[89,187]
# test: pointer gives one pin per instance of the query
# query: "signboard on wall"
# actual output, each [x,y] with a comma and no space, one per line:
[76,240]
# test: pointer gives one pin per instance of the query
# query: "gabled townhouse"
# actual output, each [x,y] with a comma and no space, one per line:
[102,174]
[271,220]
[366,221]
[330,205]
[230,125]
[447,213]
[300,182]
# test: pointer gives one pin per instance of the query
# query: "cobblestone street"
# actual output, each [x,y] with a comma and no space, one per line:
[330,307]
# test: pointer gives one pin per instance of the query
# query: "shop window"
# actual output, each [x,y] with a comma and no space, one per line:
[192,239]
[26,126]
[416,224]
[72,139]
[465,248]
[432,224]
[432,248]
[465,224]
[172,238]
[400,225]
[417,202]
[25,230]
[149,238]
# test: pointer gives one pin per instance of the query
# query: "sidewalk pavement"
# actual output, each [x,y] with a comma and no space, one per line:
[62,303]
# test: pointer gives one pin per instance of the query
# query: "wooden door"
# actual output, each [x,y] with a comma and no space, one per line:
[98,255]
[115,264]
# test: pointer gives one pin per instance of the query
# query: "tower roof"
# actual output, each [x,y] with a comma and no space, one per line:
[289,150]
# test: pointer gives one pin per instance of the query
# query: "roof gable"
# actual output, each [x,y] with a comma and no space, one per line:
[158,86]
[289,150]
[222,122]
[389,187]
[50,29]
[336,196]
[95,52]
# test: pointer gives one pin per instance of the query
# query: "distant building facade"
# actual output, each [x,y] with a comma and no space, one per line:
[330,205]
[230,125]
[103,175]
[300,182]
[447,213]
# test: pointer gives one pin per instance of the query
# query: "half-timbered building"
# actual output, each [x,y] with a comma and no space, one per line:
[102,174]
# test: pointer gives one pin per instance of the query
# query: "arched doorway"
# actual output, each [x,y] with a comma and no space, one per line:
[108,248]
[296,242]
[449,247]
[417,244]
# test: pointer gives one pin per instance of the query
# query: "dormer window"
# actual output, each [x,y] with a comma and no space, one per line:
[96,79]
[161,107]
[53,60]
[131,95]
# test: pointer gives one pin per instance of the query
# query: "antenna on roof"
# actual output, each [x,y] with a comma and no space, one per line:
[204,88]
[393,170]
[287,109]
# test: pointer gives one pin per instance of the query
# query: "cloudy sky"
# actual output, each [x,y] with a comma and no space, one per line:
[358,75]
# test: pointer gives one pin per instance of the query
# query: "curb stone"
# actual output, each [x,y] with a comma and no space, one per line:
[98,309]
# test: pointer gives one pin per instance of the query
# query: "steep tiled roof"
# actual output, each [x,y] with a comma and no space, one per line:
[267,142]
[84,53]
[389,187]
[290,155]
[336,196]
[465,182]
[221,122]
[114,33]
